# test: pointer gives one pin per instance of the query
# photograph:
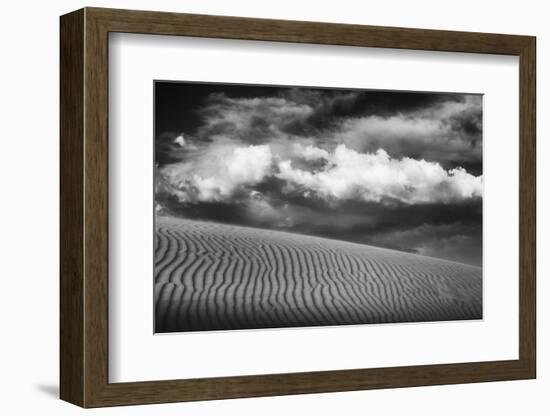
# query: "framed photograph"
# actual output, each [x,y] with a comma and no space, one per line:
[257,207]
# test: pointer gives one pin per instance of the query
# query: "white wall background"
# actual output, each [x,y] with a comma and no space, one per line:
[29,212]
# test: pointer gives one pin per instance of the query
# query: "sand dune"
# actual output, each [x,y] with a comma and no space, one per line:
[211,276]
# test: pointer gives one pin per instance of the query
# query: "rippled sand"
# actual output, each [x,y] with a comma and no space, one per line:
[212,276]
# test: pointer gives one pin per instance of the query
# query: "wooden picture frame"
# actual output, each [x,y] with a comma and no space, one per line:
[84,207]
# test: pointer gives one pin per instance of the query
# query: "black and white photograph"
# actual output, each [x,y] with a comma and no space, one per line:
[302,206]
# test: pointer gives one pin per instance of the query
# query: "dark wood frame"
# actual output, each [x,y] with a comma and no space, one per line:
[84,208]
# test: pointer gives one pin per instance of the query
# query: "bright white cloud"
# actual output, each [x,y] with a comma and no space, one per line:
[224,169]
[219,171]
[180,140]
[375,177]
[310,152]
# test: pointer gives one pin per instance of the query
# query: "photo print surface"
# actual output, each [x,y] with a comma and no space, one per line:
[281,207]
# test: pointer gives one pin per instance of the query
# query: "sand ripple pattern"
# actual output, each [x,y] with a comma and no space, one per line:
[220,277]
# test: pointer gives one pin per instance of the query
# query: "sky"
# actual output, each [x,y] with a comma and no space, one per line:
[400,170]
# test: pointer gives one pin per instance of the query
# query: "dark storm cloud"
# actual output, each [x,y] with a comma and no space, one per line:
[330,105]
[453,241]
[393,169]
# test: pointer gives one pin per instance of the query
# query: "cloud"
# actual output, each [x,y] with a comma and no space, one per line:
[180,140]
[376,177]
[250,119]
[454,241]
[310,152]
[218,172]
[225,169]
[386,157]
[447,132]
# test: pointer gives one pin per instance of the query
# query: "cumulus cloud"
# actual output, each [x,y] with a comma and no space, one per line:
[180,140]
[218,172]
[310,152]
[224,169]
[376,177]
